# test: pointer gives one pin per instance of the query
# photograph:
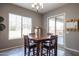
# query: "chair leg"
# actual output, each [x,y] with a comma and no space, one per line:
[29,52]
[37,51]
[47,52]
[33,51]
[41,50]
[52,52]
[55,52]
[24,51]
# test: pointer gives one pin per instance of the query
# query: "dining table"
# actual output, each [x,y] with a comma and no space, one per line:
[39,39]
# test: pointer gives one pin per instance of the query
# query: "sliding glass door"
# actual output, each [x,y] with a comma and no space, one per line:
[51,25]
[59,29]
[56,26]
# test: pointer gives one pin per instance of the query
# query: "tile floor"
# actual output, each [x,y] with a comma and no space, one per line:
[20,52]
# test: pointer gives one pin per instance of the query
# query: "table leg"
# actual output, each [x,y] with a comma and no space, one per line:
[39,49]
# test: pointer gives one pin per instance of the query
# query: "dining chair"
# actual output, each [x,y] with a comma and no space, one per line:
[31,34]
[29,46]
[48,34]
[51,46]
[32,41]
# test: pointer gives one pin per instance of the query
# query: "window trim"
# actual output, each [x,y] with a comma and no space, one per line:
[53,16]
[21,26]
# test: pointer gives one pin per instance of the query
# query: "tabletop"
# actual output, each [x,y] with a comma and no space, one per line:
[39,38]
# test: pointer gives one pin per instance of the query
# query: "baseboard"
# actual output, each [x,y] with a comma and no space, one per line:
[11,48]
[71,49]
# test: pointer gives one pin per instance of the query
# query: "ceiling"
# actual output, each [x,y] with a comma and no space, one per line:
[46,6]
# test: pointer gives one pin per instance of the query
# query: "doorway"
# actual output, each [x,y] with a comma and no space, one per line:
[56,26]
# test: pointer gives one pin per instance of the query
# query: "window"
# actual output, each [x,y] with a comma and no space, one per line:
[19,25]
[27,23]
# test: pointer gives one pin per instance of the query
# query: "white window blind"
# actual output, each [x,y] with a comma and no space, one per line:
[19,25]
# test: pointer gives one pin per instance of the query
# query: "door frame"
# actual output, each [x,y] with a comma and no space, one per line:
[54,16]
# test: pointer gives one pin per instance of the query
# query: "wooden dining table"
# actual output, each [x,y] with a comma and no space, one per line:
[39,40]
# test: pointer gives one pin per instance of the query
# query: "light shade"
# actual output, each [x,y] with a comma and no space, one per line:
[37,5]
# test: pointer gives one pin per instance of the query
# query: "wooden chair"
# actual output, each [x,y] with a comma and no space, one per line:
[28,45]
[48,34]
[31,34]
[51,45]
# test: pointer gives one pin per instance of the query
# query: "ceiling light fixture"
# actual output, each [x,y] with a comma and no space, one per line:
[37,6]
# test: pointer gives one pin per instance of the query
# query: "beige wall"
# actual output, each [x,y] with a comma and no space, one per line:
[71,11]
[5,9]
